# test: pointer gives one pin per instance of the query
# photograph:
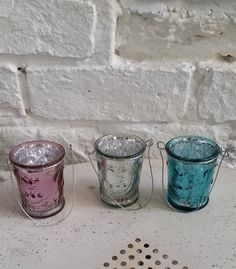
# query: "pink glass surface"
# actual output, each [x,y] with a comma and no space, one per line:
[40,185]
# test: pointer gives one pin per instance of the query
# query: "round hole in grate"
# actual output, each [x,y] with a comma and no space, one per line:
[167,267]
[131,257]
[174,262]
[146,245]
[157,262]
[130,245]
[140,263]
[139,251]
[123,263]
[165,256]
[122,251]
[148,257]
[155,250]
[137,240]
[149,267]
[106,264]
[114,258]
[185,267]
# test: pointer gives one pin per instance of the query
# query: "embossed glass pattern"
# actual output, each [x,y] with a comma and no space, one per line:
[38,168]
[119,159]
[191,163]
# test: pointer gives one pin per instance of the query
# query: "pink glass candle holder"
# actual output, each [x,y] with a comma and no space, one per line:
[38,169]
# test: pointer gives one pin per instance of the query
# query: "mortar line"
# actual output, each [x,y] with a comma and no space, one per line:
[24,91]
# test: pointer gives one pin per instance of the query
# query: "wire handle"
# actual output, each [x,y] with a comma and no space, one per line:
[161,146]
[149,144]
[89,154]
[35,221]
[224,153]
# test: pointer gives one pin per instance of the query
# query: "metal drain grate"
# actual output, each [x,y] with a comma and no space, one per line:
[141,255]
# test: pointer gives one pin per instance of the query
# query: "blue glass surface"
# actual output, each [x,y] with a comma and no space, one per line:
[191,164]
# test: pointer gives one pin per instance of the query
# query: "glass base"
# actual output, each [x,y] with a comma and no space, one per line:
[186,208]
[123,202]
[45,214]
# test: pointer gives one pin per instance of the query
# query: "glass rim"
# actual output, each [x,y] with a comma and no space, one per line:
[36,166]
[121,135]
[217,149]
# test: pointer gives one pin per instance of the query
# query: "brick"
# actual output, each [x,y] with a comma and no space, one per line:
[10,96]
[104,36]
[176,30]
[6,7]
[217,98]
[56,28]
[132,94]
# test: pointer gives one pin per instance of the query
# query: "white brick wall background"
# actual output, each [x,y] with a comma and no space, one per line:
[73,70]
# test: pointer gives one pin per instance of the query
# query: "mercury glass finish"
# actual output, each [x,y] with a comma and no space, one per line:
[38,168]
[191,163]
[119,159]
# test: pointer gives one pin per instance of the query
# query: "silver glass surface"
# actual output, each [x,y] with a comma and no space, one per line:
[36,153]
[119,159]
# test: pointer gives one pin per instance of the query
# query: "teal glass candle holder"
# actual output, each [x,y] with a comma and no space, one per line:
[191,161]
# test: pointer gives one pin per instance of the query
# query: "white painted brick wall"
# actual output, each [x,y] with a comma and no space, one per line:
[56,28]
[10,93]
[73,70]
[109,93]
[218,96]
